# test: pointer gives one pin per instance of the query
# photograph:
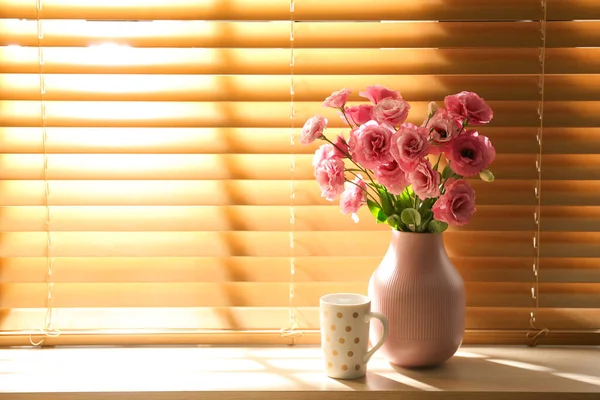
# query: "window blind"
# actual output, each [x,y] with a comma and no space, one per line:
[153,188]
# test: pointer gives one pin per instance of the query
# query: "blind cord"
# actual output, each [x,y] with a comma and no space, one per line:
[291,331]
[47,330]
[535,334]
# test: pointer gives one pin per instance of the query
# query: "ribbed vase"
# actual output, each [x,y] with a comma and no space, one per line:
[423,297]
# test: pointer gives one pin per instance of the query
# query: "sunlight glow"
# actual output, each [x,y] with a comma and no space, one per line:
[297,364]
[592,380]
[522,365]
[404,21]
[467,354]
[380,364]
[319,380]
[287,353]
[108,54]
[398,377]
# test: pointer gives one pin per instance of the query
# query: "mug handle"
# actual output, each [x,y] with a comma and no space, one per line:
[386,329]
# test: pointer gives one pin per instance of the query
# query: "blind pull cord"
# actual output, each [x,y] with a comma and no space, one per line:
[536,334]
[291,331]
[48,329]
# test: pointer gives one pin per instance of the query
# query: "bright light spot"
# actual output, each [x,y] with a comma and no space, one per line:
[297,365]
[467,354]
[291,353]
[14,46]
[401,21]
[395,376]
[379,364]
[522,365]
[592,380]
[108,46]
[319,380]
[107,53]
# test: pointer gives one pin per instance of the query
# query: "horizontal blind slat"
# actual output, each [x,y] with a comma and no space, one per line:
[273,9]
[569,318]
[268,34]
[224,294]
[573,33]
[229,218]
[564,10]
[276,269]
[566,167]
[267,269]
[570,244]
[250,114]
[572,141]
[276,88]
[208,166]
[213,140]
[572,193]
[239,192]
[570,295]
[570,270]
[276,244]
[276,61]
[570,219]
[238,318]
[572,60]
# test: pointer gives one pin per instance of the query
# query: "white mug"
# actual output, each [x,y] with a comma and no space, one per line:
[345,319]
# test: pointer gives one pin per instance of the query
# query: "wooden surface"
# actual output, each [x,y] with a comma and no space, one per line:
[224,373]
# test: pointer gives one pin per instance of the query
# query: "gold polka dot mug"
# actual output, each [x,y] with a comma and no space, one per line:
[345,319]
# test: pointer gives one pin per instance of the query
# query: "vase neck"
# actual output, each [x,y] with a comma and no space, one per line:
[416,250]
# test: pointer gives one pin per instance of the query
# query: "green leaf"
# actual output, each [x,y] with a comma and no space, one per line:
[388,207]
[447,173]
[427,216]
[394,221]
[376,211]
[405,198]
[437,226]
[410,216]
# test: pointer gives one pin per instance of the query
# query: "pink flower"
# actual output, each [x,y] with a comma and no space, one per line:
[313,129]
[392,177]
[409,146]
[340,148]
[444,128]
[330,177]
[377,93]
[359,114]
[337,99]
[425,181]
[471,153]
[353,197]
[370,144]
[324,152]
[391,111]
[457,205]
[469,105]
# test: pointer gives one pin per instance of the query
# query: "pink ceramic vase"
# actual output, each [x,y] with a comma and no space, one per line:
[423,297]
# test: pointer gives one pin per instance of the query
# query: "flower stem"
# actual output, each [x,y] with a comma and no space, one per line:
[351,160]
[372,186]
[365,190]
[429,119]
[435,167]
[345,116]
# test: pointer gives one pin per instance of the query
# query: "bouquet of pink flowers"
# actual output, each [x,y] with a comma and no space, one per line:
[395,166]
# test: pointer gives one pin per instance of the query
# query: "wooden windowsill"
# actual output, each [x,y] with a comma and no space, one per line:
[227,373]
